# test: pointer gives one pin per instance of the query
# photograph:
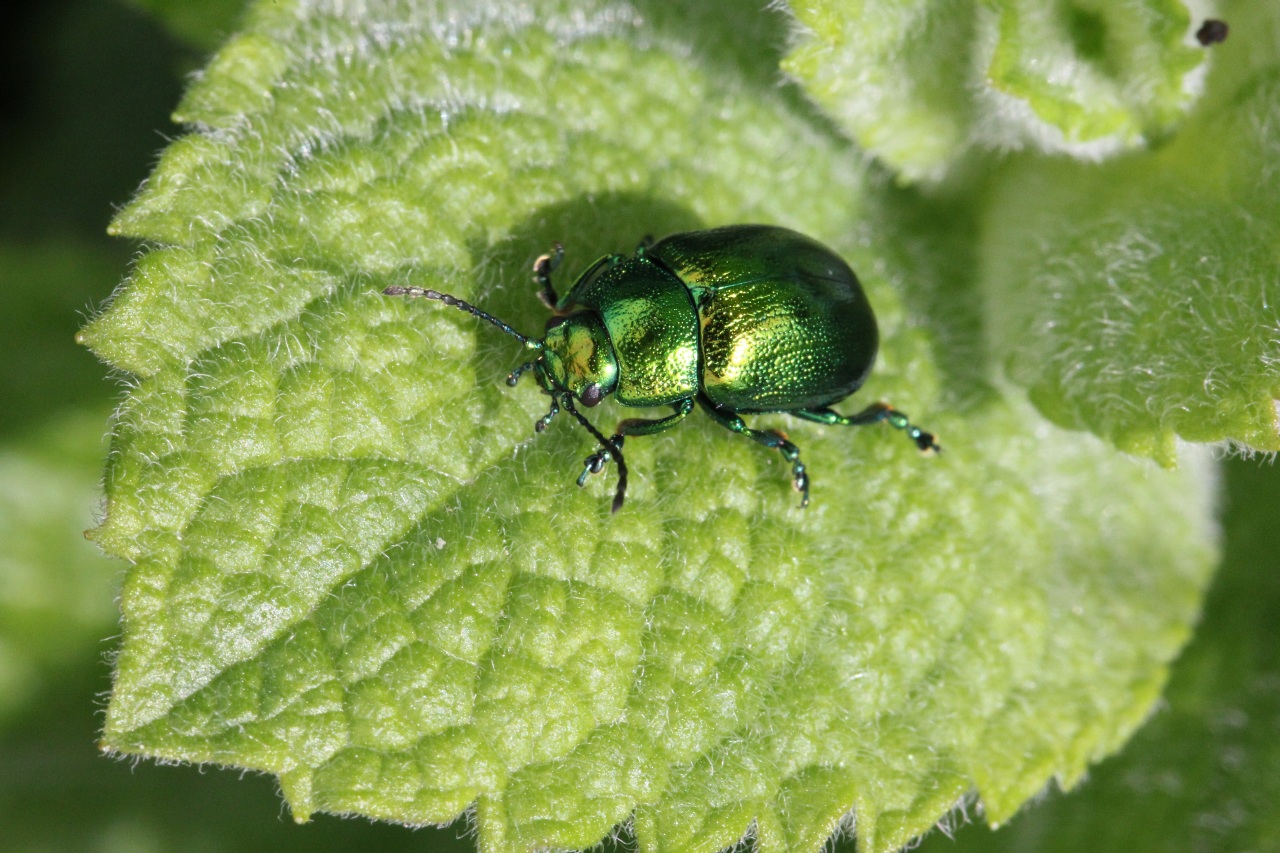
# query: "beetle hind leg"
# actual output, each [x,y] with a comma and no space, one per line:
[875,413]
[771,438]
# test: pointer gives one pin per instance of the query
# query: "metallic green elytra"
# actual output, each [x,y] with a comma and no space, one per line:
[742,319]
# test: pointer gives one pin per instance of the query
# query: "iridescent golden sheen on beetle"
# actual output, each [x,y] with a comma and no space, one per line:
[741,319]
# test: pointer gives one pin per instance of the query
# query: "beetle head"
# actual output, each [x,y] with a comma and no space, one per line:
[579,357]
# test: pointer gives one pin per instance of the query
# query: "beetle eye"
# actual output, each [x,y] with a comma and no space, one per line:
[591,395]
[552,322]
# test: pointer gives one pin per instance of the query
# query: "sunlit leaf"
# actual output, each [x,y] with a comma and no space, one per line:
[354,567]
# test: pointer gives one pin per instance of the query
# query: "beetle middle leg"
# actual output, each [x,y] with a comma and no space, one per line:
[595,463]
[769,438]
[872,414]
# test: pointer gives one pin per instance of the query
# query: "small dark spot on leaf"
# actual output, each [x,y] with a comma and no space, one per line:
[1212,31]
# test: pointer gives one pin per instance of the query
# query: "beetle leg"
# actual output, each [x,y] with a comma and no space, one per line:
[545,421]
[514,376]
[769,438]
[874,413]
[613,450]
[543,267]
[645,426]
[595,463]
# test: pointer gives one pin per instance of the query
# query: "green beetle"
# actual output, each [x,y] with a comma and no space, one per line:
[742,319]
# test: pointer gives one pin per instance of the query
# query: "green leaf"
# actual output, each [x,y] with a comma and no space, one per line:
[1201,773]
[918,84]
[1138,299]
[355,568]
[55,589]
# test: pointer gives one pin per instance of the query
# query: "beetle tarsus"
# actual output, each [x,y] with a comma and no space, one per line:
[926,441]
[545,421]
[791,453]
[801,482]
[875,413]
[610,448]
[593,464]
[771,438]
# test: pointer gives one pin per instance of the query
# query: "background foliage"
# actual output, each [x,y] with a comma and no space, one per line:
[72,149]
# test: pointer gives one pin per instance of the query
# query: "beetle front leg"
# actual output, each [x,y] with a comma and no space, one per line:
[872,414]
[513,378]
[543,267]
[595,463]
[769,438]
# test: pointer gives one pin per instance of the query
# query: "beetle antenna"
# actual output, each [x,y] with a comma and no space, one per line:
[426,293]
[614,450]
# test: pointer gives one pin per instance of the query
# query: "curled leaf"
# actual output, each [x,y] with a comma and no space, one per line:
[919,84]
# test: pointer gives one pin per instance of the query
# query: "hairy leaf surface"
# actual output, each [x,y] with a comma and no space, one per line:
[355,568]
[1139,299]
[920,83]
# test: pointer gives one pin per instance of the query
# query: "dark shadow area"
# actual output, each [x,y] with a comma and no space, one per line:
[86,87]
[744,38]
[739,40]
[95,82]
[588,227]
[1088,32]
[930,239]
[503,284]
[50,288]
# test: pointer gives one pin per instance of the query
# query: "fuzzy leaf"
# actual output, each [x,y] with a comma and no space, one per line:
[1139,299]
[919,83]
[1201,774]
[356,569]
